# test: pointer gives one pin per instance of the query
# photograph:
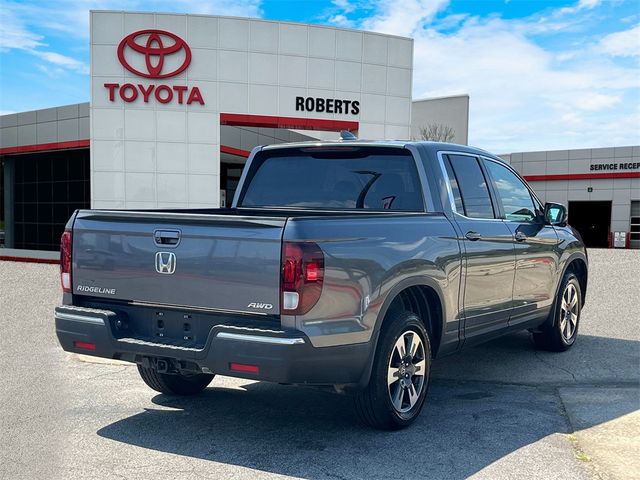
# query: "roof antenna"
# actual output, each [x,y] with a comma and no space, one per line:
[347,135]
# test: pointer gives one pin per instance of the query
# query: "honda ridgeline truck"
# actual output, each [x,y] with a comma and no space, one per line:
[351,264]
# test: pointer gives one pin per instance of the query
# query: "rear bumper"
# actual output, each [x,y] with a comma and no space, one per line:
[283,357]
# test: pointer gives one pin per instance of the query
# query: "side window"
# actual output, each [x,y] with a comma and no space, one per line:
[473,190]
[514,195]
[455,188]
[539,207]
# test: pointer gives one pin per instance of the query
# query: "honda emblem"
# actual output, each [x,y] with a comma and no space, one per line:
[166,263]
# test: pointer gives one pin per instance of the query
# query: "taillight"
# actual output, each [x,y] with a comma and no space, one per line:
[84,345]
[302,277]
[65,261]
[243,367]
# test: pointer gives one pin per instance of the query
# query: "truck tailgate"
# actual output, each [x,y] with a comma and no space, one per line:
[221,262]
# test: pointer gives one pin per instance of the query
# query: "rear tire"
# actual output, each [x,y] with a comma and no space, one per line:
[566,318]
[397,389]
[174,384]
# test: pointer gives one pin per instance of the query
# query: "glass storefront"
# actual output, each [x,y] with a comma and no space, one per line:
[1,203]
[48,187]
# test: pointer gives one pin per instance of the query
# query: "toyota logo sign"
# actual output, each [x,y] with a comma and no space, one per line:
[154,51]
[162,54]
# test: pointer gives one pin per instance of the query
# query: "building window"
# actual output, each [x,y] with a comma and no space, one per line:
[1,203]
[48,188]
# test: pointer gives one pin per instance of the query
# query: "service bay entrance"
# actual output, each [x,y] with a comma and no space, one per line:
[593,220]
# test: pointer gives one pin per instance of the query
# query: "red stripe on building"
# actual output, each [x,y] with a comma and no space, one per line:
[41,147]
[581,176]
[8,258]
[234,151]
[267,121]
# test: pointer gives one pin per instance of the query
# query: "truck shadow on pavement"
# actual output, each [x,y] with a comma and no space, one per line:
[487,403]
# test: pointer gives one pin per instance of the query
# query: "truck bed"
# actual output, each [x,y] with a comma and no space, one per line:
[227,260]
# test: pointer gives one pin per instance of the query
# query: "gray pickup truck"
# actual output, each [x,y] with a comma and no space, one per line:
[350,264]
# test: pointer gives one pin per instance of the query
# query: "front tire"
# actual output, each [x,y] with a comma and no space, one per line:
[397,389]
[177,384]
[567,308]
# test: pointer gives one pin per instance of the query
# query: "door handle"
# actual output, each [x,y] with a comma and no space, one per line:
[166,238]
[520,237]
[473,236]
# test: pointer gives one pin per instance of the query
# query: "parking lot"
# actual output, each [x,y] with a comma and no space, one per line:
[500,410]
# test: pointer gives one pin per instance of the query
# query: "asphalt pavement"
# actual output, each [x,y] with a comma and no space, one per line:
[501,410]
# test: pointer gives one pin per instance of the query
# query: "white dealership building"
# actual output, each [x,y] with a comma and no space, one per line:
[156,117]
[178,101]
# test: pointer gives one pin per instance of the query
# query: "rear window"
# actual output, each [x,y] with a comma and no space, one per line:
[369,178]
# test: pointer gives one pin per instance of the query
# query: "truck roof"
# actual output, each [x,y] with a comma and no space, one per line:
[432,147]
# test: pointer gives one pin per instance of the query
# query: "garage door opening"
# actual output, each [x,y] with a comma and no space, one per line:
[635,224]
[593,221]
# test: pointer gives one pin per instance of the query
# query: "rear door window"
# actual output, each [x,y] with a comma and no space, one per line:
[369,178]
[455,188]
[469,181]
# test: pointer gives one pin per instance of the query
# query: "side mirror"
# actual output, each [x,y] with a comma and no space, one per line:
[555,214]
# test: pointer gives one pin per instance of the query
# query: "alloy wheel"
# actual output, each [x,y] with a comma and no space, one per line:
[569,312]
[406,371]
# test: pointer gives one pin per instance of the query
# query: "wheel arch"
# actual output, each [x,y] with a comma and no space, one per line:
[419,295]
[577,264]
[425,284]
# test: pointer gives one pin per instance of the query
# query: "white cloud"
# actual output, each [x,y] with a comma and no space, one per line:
[523,96]
[622,44]
[341,20]
[62,61]
[402,17]
[588,4]
[71,17]
[581,5]
[239,8]
[26,26]
[519,92]
[452,21]
[13,33]
[344,5]
[16,35]
[51,71]
[598,101]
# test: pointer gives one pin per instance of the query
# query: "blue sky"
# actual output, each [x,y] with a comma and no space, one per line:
[541,74]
